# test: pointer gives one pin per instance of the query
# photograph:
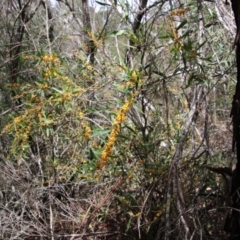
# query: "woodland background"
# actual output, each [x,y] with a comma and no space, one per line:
[115,119]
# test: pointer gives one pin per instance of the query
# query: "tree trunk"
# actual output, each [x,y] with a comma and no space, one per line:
[235,114]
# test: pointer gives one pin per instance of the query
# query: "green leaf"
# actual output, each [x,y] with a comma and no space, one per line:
[118,33]
[100,132]
[131,129]
[48,132]
[186,34]
[183,23]
[134,39]
[128,224]
[121,136]
[103,3]
[164,36]
[201,45]
[160,74]
[57,90]
[95,154]
[121,32]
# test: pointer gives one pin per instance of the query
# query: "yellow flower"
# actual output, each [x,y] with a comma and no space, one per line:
[137,214]
[17,120]
[129,84]
[55,74]
[81,114]
[177,126]
[44,58]
[120,69]
[87,130]
[83,160]
[89,68]
[15,85]
[44,86]
[126,106]
[104,155]
[7,128]
[129,176]
[159,214]
[120,117]
[49,58]
[172,148]
[134,77]
[66,97]
[179,12]
[48,73]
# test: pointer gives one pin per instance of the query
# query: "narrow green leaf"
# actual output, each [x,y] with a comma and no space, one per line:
[183,23]
[131,129]
[128,224]
[100,132]
[159,73]
[117,33]
[95,154]
[47,132]
[57,90]
[103,3]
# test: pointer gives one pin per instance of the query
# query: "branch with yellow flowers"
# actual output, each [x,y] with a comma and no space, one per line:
[119,119]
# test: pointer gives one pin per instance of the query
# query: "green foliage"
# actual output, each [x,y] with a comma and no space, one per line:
[108,139]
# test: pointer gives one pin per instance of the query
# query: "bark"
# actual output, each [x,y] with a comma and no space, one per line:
[235,114]
[16,38]
[50,28]
[135,27]
[88,29]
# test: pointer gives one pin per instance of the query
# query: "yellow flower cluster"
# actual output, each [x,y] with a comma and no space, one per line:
[28,57]
[17,119]
[15,85]
[126,85]
[97,42]
[77,90]
[120,69]
[67,96]
[49,58]
[21,133]
[81,114]
[25,118]
[133,80]
[175,35]
[120,117]
[134,76]
[174,31]
[89,68]
[158,215]
[50,73]
[179,12]
[87,131]
[43,86]
[35,99]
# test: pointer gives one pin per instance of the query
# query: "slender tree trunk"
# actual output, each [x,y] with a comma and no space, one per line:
[135,28]
[88,30]
[235,114]
[49,23]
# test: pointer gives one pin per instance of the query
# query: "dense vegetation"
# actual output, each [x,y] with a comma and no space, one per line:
[115,119]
